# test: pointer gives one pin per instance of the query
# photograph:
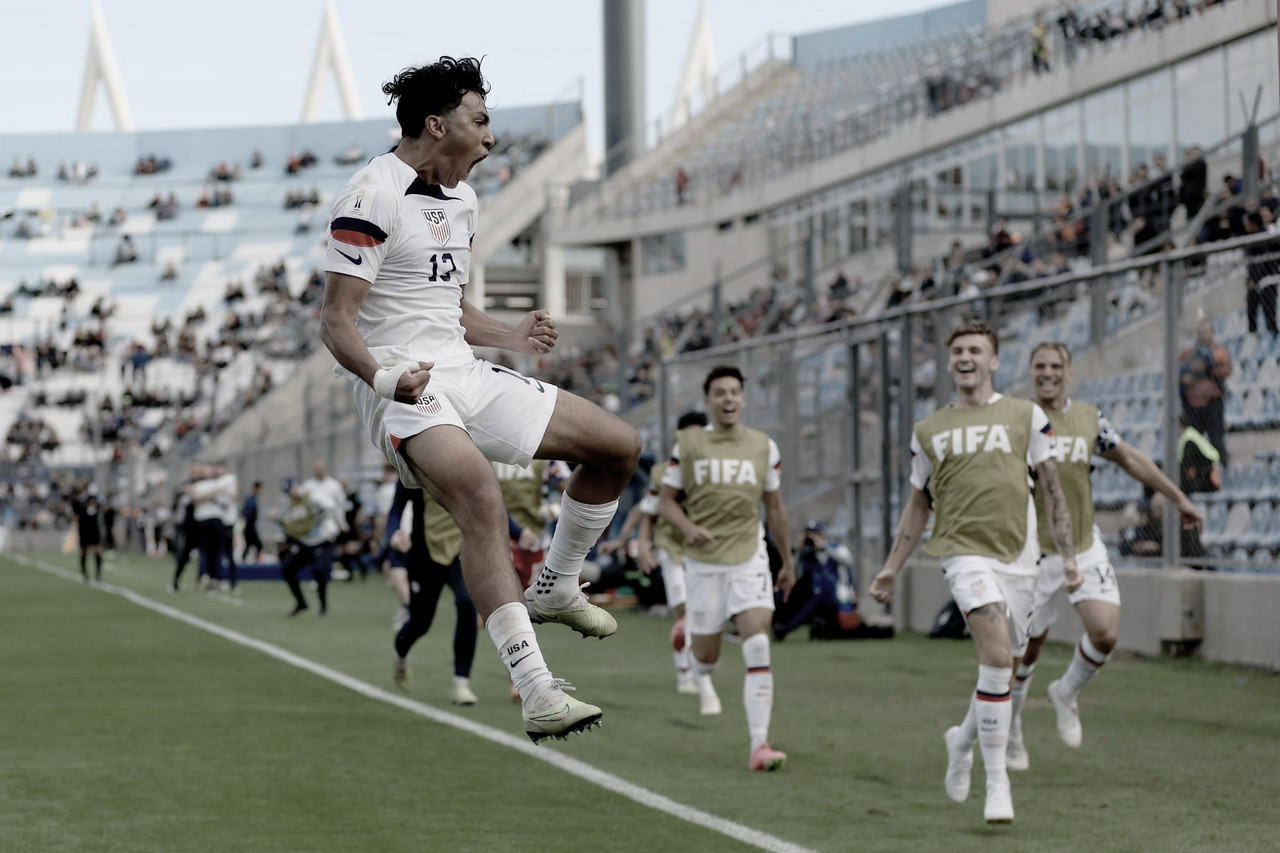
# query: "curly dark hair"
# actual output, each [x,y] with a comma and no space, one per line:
[720,372]
[433,90]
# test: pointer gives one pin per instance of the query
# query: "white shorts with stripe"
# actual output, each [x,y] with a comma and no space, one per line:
[505,412]
[1099,583]
[673,577]
[717,593]
[976,581]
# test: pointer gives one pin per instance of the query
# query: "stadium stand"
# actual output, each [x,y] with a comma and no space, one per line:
[155,285]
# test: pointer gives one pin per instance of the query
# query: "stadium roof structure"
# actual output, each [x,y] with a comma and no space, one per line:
[331,55]
[100,67]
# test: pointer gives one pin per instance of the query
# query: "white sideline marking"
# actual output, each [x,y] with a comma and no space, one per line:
[572,766]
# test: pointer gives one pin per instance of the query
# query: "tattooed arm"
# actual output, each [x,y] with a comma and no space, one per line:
[915,515]
[1053,502]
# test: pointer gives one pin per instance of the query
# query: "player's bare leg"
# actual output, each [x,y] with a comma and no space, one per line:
[1102,629]
[452,469]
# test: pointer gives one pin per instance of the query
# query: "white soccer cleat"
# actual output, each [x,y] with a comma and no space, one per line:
[710,705]
[1015,755]
[687,683]
[579,614]
[462,694]
[1069,728]
[959,765]
[999,805]
[555,714]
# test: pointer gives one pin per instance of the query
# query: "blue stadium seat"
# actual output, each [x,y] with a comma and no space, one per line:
[1259,525]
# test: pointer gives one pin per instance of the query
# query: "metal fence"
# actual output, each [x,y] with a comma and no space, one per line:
[841,400]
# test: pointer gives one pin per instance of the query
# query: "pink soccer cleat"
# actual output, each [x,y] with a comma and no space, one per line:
[766,757]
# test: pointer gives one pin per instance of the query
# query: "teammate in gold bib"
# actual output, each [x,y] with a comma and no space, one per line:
[726,471]
[1080,432]
[969,464]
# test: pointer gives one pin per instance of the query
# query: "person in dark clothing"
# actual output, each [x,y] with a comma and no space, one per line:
[249,512]
[312,523]
[432,547]
[108,527]
[89,529]
[1195,182]
[350,545]
[1263,275]
[1203,369]
[826,595]
[186,533]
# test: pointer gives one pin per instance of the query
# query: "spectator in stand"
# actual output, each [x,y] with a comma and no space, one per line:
[682,184]
[840,287]
[1069,24]
[1195,182]
[126,252]
[1040,45]
[1203,369]
[1262,274]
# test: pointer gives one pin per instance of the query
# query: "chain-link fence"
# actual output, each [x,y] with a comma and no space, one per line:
[841,400]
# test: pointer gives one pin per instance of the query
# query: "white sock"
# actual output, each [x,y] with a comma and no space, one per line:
[702,671]
[994,712]
[1085,664]
[578,528]
[683,661]
[969,725]
[512,633]
[757,688]
[1018,694]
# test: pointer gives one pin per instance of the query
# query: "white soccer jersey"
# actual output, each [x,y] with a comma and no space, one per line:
[412,242]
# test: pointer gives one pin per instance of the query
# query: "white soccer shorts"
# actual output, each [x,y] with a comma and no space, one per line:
[1099,583]
[505,412]
[673,579]
[718,592]
[976,581]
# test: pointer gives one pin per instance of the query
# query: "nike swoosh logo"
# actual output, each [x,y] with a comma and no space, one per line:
[552,716]
[357,260]
[516,663]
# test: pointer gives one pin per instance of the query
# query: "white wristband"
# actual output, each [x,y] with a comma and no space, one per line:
[386,379]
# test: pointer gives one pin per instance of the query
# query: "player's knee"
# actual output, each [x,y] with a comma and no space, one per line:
[1104,639]
[628,449]
[1032,654]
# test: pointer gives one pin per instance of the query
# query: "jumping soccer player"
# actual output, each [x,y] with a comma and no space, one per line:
[395,319]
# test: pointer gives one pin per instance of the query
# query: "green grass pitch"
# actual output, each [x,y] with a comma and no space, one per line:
[122,729]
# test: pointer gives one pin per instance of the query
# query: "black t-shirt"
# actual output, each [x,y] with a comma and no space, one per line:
[88,520]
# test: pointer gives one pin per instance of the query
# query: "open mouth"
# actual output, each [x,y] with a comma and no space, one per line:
[474,163]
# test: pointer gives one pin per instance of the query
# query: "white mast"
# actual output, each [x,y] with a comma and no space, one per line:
[100,66]
[331,53]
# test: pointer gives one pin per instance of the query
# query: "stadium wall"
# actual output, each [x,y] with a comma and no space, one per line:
[1226,618]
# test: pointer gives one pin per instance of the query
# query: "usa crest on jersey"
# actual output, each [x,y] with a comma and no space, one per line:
[428,404]
[437,224]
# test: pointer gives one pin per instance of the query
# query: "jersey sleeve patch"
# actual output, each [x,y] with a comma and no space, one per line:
[1108,438]
[357,232]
